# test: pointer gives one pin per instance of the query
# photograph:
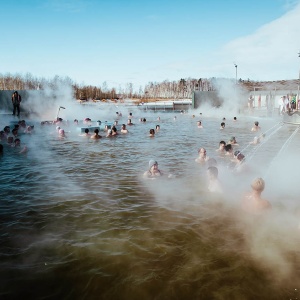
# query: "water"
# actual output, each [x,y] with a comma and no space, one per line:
[78,221]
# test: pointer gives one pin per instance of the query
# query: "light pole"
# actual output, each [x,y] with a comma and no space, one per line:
[297,104]
[235,73]
[59,110]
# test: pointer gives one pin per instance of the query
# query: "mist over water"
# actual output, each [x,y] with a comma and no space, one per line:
[80,222]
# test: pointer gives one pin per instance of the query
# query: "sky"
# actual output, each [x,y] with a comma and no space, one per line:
[116,42]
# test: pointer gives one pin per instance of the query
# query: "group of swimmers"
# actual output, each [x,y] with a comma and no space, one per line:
[252,201]
[10,136]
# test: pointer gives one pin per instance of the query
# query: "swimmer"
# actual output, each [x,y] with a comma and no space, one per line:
[152,132]
[199,124]
[61,134]
[214,185]
[129,123]
[233,141]
[256,127]
[96,135]
[158,118]
[124,129]
[253,202]
[109,133]
[255,141]
[157,128]
[202,158]
[221,148]
[234,119]
[130,116]
[114,130]
[153,170]
[222,125]
[229,150]
[86,133]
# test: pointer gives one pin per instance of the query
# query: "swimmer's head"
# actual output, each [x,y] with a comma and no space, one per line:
[61,132]
[152,163]
[256,123]
[258,184]
[57,128]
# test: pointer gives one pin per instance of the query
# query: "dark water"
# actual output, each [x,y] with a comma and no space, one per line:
[78,221]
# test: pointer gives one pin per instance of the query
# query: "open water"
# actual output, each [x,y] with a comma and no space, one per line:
[79,221]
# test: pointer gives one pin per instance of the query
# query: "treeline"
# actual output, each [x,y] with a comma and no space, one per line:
[182,88]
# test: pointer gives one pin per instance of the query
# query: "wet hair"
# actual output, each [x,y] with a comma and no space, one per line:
[222,142]
[157,126]
[144,120]
[234,118]
[258,184]
[256,123]
[228,147]
[86,130]
[152,131]
[96,130]
[223,124]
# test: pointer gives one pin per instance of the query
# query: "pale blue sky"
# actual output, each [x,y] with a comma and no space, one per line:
[122,41]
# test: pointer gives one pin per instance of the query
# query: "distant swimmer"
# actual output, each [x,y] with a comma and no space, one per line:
[153,170]
[129,123]
[61,133]
[199,124]
[202,157]
[96,135]
[253,202]
[157,128]
[221,148]
[233,141]
[152,132]
[222,125]
[124,129]
[256,126]
[86,133]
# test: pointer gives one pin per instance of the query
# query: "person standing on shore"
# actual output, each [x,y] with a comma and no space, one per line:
[16,100]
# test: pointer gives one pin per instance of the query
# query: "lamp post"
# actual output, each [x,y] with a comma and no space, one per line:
[235,73]
[297,104]
[59,110]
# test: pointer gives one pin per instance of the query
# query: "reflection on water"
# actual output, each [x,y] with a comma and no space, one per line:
[79,222]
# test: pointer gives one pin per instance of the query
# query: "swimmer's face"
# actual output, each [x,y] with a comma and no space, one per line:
[154,167]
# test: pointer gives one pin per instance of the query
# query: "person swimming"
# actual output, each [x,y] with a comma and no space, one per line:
[153,170]
[253,202]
